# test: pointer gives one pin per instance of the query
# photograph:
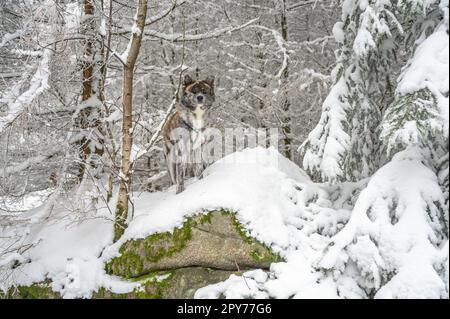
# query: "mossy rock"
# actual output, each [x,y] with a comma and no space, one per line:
[41,290]
[186,281]
[152,287]
[207,249]
[177,284]
[215,240]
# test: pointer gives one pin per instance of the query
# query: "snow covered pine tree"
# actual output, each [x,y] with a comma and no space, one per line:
[397,236]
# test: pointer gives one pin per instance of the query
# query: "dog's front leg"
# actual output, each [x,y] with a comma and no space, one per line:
[182,164]
[174,159]
[200,158]
[181,173]
[171,163]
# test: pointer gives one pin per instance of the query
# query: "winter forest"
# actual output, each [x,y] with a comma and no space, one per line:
[312,162]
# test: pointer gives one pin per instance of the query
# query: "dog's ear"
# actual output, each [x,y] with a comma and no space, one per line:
[210,81]
[187,80]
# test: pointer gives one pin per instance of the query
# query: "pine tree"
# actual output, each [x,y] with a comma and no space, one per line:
[343,144]
[397,235]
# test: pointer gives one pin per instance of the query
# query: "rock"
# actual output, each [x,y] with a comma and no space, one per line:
[40,290]
[206,250]
[185,282]
[177,284]
[215,241]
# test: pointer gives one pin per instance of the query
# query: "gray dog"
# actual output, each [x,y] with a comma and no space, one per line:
[183,132]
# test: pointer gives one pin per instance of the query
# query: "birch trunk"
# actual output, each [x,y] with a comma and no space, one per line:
[122,208]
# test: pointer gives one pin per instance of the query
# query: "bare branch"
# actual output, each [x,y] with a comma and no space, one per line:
[178,37]
[162,15]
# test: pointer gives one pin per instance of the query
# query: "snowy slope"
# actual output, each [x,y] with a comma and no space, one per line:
[275,201]
[65,249]
[259,184]
[273,198]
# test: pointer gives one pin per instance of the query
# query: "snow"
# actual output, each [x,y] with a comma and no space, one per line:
[363,42]
[28,202]
[282,47]
[134,31]
[338,32]
[385,236]
[174,37]
[10,36]
[66,249]
[17,102]
[258,184]
[275,201]
[329,137]
[372,26]
[429,69]
[102,28]
[236,287]
[280,206]
[347,8]
[399,211]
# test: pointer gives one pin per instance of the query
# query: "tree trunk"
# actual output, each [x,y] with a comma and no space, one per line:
[106,53]
[122,208]
[87,118]
[285,104]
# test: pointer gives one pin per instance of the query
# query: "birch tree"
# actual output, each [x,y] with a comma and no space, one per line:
[129,61]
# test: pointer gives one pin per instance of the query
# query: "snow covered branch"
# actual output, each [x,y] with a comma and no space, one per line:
[179,37]
[162,15]
[301,4]
[281,45]
[10,37]
[30,162]
[18,102]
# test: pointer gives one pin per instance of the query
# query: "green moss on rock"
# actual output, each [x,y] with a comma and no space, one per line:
[152,287]
[214,240]
[130,262]
[207,249]
[35,291]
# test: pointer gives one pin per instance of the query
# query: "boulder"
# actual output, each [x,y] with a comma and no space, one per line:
[212,241]
[207,249]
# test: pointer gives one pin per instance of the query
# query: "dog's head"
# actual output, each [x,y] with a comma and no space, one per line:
[198,93]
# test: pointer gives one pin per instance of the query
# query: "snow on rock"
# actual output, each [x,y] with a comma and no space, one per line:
[281,207]
[259,184]
[275,201]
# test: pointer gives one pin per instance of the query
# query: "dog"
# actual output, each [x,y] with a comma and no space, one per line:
[183,133]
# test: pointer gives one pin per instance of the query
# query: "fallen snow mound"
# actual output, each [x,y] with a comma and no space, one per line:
[273,199]
[267,191]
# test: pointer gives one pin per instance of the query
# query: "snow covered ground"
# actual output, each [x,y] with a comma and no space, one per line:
[274,199]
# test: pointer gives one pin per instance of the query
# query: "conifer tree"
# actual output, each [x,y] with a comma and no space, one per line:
[397,235]
[344,144]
